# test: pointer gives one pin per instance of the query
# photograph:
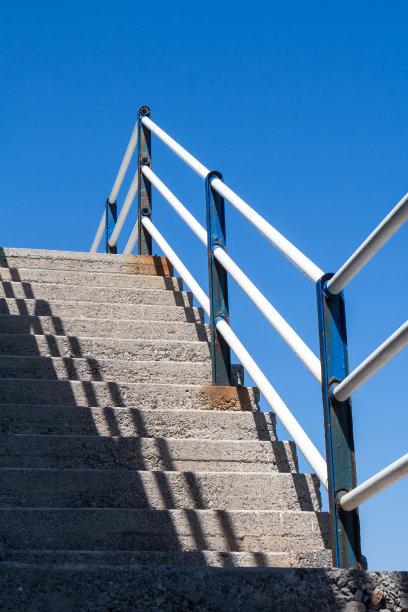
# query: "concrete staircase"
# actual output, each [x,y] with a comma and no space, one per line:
[115,449]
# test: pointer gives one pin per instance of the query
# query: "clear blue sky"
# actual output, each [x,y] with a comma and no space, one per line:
[302,106]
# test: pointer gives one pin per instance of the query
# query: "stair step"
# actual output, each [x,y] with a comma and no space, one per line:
[106,421]
[96,310]
[89,369]
[163,530]
[56,291]
[110,348]
[136,395]
[137,453]
[92,488]
[321,558]
[89,279]
[111,328]
[92,262]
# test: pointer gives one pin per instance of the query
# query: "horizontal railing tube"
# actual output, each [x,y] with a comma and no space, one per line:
[382,355]
[370,246]
[304,264]
[374,485]
[287,333]
[303,442]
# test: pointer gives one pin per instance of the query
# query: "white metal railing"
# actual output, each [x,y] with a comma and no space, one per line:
[266,229]
[289,422]
[340,391]
[114,194]
[370,246]
[288,334]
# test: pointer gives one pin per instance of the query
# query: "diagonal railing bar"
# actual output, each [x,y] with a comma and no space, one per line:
[114,193]
[382,233]
[372,364]
[124,210]
[288,249]
[376,484]
[287,333]
[294,429]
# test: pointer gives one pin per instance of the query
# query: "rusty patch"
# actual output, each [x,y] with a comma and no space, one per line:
[228,398]
[150,265]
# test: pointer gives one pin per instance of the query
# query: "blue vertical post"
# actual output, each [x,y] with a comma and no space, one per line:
[338,423]
[218,282]
[111,215]
[144,194]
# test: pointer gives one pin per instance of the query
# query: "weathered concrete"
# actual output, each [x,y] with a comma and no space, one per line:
[112,452]
[99,310]
[102,488]
[204,589]
[106,421]
[110,328]
[201,558]
[135,529]
[100,262]
[136,395]
[120,370]
[89,278]
[108,348]
[55,291]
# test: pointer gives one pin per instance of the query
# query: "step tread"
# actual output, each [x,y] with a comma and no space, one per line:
[139,453]
[175,423]
[157,489]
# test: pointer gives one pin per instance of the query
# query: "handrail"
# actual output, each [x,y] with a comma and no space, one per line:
[289,422]
[370,246]
[374,485]
[114,193]
[124,210]
[372,364]
[288,249]
[331,371]
[299,347]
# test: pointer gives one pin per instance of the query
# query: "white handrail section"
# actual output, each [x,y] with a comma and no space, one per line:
[288,249]
[374,485]
[291,425]
[99,233]
[131,243]
[374,362]
[370,246]
[124,165]
[124,210]
[115,190]
[287,333]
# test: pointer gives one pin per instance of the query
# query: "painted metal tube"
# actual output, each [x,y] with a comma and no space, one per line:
[303,442]
[124,165]
[374,485]
[300,348]
[131,243]
[178,265]
[287,333]
[100,232]
[298,435]
[382,355]
[176,148]
[124,210]
[370,246]
[180,209]
[304,264]
[288,249]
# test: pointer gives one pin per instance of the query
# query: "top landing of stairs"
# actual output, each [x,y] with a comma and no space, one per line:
[151,265]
